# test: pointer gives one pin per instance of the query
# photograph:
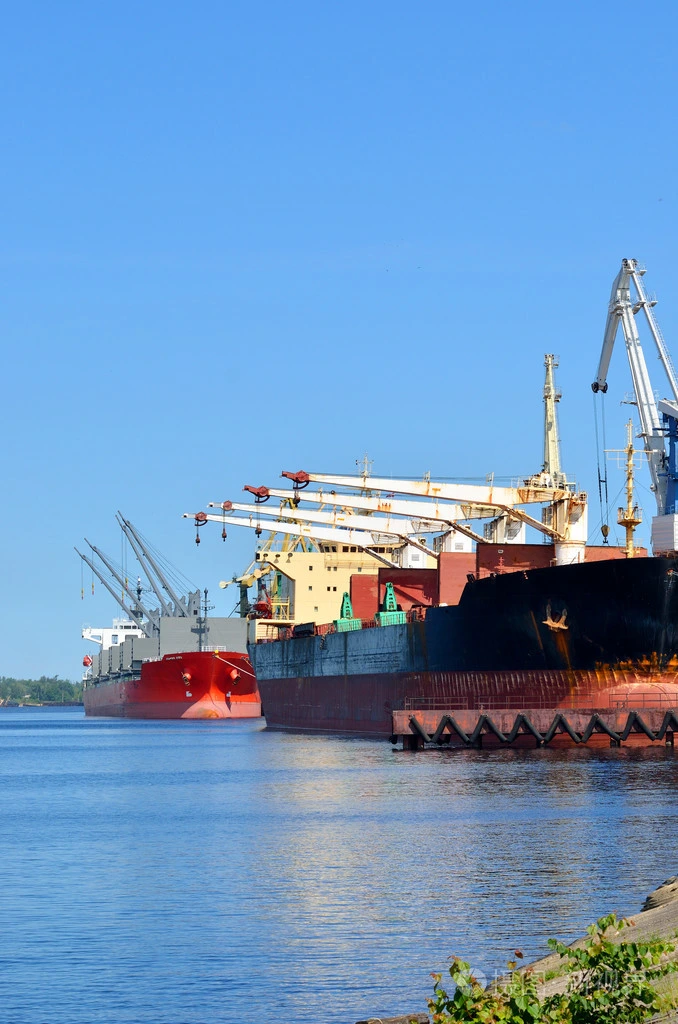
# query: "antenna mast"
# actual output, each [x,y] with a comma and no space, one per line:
[631,516]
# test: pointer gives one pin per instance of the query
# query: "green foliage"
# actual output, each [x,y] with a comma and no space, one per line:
[513,1003]
[45,690]
[609,983]
[612,981]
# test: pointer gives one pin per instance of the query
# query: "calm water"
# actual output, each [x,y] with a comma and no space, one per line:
[213,872]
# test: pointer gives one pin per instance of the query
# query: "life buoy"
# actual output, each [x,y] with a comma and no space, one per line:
[87,661]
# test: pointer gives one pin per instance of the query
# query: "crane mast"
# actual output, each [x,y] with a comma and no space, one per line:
[658,421]
[551,475]
[552,396]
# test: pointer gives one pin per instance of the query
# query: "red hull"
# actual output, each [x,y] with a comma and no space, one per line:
[363,704]
[194,684]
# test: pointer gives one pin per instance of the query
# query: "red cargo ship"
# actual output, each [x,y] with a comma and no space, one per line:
[172,661]
[191,684]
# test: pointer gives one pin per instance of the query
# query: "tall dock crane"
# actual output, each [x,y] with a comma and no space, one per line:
[658,420]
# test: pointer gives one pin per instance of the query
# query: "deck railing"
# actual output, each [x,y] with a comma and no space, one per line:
[416,614]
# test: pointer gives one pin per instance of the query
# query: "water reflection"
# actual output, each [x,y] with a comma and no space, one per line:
[211,871]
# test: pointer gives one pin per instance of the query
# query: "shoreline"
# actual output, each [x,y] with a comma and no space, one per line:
[657,918]
[42,704]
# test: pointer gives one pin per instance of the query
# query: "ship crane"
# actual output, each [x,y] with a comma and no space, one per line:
[154,573]
[654,430]
[244,582]
[137,611]
[436,514]
[566,524]
[439,505]
[147,619]
[366,541]
[385,526]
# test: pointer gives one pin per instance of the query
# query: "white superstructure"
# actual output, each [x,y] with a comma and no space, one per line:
[109,636]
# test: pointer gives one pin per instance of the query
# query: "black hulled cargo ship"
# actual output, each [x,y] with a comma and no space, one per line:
[598,635]
[488,638]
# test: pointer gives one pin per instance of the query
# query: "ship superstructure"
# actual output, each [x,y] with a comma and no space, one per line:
[109,636]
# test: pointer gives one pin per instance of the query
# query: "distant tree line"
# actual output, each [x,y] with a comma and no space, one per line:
[45,690]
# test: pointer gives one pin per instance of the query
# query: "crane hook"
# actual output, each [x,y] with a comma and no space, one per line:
[200,520]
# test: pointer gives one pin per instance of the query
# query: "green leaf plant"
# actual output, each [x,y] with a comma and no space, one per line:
[607,983]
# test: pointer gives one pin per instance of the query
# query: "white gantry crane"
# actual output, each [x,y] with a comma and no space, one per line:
[658,420]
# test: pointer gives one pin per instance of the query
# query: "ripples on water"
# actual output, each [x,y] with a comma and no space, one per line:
[212,872]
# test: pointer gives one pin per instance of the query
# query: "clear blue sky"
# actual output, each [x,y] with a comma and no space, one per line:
[240,238]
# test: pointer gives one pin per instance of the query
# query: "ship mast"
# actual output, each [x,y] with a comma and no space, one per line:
[551,473]
[202,628]
[631,516]
[551,436]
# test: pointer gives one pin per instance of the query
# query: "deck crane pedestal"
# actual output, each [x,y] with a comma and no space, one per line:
[658,420]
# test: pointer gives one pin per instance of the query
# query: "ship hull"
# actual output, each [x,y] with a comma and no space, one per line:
[600,635]
[365,704]
[191,685]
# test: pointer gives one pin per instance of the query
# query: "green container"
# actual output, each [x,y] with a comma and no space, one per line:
[346,625]
[391,618]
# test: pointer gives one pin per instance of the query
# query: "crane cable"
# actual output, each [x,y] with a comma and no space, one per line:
[602,480]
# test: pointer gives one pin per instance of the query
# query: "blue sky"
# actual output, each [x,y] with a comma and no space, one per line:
[243,238]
